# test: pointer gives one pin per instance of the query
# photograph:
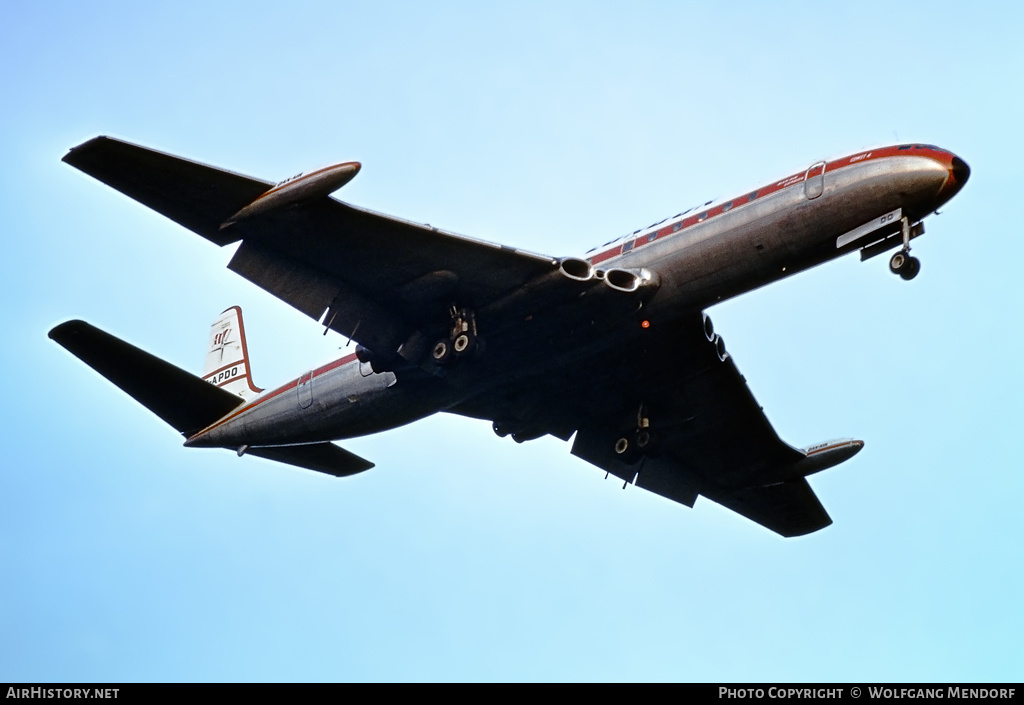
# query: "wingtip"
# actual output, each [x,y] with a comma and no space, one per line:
[807,531]
[66,329]
[77,149]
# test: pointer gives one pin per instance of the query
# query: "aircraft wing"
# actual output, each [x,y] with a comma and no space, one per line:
[708,434]
[369,276]
[709,437]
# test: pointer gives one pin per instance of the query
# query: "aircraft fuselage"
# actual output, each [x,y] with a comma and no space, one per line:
[705,255]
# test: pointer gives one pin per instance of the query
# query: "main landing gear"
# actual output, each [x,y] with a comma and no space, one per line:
[637,442]
[461,341]
[902,262]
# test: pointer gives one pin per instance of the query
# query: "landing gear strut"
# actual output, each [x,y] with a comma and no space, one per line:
[902,263]
[461,341]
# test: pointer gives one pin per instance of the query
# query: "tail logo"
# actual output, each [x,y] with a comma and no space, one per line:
[227,361]
[220,340]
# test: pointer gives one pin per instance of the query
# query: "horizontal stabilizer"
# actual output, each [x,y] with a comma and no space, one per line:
[181,399]
[321,457]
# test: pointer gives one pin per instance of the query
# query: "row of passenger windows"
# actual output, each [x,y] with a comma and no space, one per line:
[676,227]
[725,208]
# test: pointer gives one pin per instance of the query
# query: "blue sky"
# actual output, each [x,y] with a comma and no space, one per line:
[552,127]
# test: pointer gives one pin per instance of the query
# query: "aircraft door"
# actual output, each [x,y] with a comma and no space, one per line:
[814,180]
[305,390]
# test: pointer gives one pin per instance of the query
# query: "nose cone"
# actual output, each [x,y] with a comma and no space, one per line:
[958,173]
[961,172]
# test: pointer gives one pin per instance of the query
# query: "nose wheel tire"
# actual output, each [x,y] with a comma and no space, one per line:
[912,268]
[904,265]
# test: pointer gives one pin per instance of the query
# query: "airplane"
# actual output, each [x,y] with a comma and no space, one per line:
[613,350]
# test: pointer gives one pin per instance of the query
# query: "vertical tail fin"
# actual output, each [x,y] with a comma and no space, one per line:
[227,357]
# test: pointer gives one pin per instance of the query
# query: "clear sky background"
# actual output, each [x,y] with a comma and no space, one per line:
[552,127]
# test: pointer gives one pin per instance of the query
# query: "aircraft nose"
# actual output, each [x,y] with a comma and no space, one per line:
[961,172]
[957,174]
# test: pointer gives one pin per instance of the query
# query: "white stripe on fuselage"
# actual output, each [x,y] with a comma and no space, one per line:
[868,227]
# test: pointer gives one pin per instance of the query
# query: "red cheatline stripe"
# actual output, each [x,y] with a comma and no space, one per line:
[793,180]
[277,188]
[280,390]
[832,447]
[245,349]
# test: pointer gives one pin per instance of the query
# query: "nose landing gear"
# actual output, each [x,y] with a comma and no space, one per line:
[902,263]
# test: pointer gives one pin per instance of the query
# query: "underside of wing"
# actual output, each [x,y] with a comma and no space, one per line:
[704,433]
[194,195]
[372,277]
[787,508]
[668,411]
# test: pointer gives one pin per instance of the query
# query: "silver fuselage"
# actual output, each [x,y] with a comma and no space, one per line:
[700,257]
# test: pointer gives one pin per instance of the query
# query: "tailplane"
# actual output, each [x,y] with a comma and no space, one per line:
[227,357]
[190,403]
[178,397]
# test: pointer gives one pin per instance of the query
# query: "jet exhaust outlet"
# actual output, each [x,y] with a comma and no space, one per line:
[578,269]
[622,280]
[629,281]
[720,348]
[709,328]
